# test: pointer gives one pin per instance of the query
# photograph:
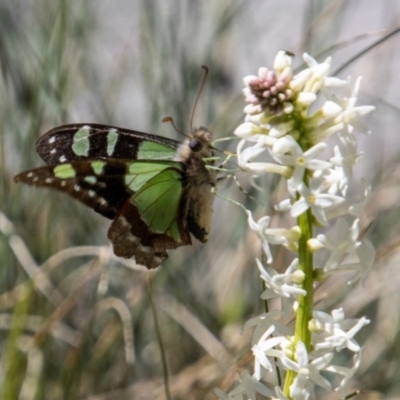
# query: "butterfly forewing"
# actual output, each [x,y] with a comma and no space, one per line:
[104,186]
[93,141]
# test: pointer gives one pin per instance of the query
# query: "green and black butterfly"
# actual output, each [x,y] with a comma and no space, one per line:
[156,190]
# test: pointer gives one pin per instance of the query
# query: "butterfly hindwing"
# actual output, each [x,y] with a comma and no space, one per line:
[152,220]
[94,141]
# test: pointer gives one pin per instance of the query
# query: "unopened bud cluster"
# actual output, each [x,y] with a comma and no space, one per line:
[268,92]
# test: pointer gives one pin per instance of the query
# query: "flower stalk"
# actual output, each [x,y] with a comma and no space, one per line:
[282,135]
[305,302]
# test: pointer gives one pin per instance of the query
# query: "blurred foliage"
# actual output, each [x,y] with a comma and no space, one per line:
[75,321]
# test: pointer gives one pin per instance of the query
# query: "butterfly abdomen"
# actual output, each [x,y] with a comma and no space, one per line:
[200,210]
[199,181]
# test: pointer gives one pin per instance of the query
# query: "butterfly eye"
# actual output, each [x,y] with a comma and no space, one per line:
[195,145]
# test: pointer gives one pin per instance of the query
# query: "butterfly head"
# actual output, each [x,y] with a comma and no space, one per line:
[200,142]
[198,145]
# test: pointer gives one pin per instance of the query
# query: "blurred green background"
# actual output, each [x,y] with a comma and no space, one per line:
[75,322]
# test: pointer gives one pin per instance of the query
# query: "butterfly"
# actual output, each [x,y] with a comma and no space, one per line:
[155,190]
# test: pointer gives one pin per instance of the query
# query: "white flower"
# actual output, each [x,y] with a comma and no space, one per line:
[260,227]
[344,242]
[306,98]
[281,129]
[333,180]
[330,109]
[264,349]
[248,386]
[297,158]
[326,322]
[282,61]
[344,165]
[312,198]
[285,237]
[307,372]
[300,79]
[249,153]
[324,130]
[358,208]
[263,322]
[249,129]
[339,331]
[256,169]
[281,284]
[349,158]
[355,209]
[350,114]
[341,339]
[319,73]
[348,373]
[366,255]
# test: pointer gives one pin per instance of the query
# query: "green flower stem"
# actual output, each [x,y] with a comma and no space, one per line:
[305,308]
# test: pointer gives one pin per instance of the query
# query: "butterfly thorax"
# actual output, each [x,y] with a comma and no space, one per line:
[199,181]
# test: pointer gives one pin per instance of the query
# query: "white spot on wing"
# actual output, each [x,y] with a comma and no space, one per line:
[91,179]
[132,238]
[145,249]
[91,193]
[77,188]
[35,179]
[52,139]
[63,183]
[53,151]
[122,220]
[49,180]
[29,174]
[63,159]
[102,201]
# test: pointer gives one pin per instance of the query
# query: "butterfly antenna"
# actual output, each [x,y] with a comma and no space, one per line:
[206,69]
[170,119]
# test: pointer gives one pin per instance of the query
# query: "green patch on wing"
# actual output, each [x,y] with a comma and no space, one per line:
[158,202]
[112,138]
[154,151]
[138,173]
[81,144]
[64,171]
[98,166]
